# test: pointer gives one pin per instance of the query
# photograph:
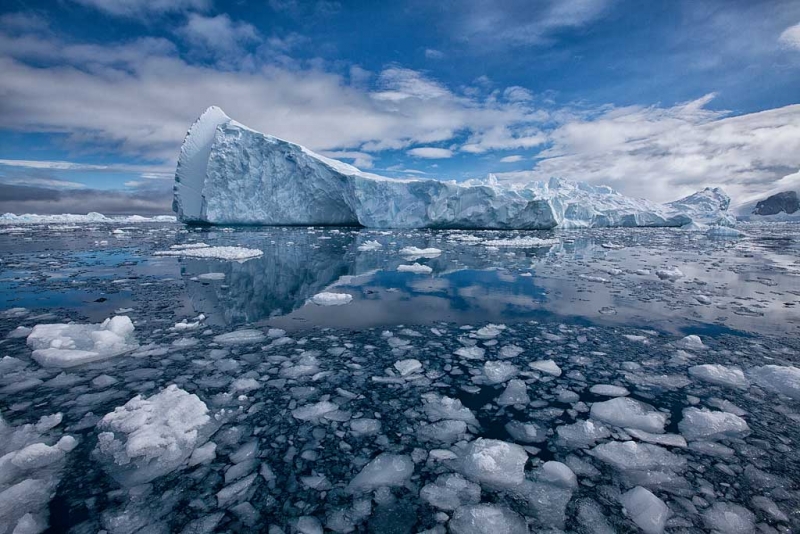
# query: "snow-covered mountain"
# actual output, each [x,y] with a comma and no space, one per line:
[783,206]
[230,174]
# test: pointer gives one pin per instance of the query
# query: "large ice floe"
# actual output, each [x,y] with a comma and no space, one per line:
[68,345]
[230,174]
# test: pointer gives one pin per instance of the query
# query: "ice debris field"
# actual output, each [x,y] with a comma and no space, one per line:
[157,378]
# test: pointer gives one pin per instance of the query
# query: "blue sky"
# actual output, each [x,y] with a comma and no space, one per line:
[656,99]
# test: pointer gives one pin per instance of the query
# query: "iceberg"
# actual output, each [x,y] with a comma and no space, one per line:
[228,173]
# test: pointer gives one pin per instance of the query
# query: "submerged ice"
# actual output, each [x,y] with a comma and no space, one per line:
[228,173]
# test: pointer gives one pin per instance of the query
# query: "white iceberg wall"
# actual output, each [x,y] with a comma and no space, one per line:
[230,174]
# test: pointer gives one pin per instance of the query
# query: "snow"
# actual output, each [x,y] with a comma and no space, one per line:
[645,509]
[331,299]
[702,424]
[494,463]
[149,437]
[68,345]
[230,174]
[386,470]
[415,268]
[627,412]
[239,254]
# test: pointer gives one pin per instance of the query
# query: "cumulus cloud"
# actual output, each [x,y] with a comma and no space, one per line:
[219,36]
[429,152]
[141,8]
[665,153]
[139,97]
[791,36]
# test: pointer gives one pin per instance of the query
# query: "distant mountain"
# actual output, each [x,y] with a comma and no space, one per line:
[780,206]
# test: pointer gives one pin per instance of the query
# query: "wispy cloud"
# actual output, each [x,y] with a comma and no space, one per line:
[791,36]
[428,152]
[142,8]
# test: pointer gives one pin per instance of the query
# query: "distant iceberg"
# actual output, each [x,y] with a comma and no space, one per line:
[230,174]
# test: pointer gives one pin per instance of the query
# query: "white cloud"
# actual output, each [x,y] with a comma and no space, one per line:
[148,171]
[519,22]
[511,159]
[141,8]
[36,181]
[665,153]
[138,98]
[503,138]
[428,152]
[432,53]
[219,35]
[791,36]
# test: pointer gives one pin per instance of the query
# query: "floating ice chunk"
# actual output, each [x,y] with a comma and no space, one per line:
[470,353]
[308,525]
[499,372]
[490,331]
[415,268]
[451,491]
[369,246]
[494,463]
[729,518]
[365,427]
[311,412]
[608,390]
[407,367]
[236,491]
[438,408]
[591,518]
[203,454]
[711,426]
[211,276]
[239,254]
[521,242]
[510,351]
[447,431]
[516,392]
[48,422]
[670,440]
[779,379]
[629,455]
[645,509]
[691,342]
[546,366]
[68,345]
[486,519]
[627,412]
[331,299]
[670,274]
[245,384]
[526,432]
[724,232]
[245,336]
[150,437]
[581,434]
[386,470]
[768,506]
[721,375]
[413,253]
[557,474]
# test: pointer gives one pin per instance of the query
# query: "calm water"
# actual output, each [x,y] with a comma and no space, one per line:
[309,396]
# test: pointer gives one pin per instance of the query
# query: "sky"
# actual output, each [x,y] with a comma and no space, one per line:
[656,99]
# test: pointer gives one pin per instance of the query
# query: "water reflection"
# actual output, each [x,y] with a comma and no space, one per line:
[603,277]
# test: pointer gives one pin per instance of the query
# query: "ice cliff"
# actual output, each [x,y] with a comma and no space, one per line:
[230,174]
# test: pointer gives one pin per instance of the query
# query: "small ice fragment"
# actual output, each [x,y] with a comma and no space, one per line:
[546,366]
[608,390]
[627,412]
[407,367]
[497,464]
[721,375]
[415,268]
[707,425]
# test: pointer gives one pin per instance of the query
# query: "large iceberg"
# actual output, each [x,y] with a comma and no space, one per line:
[230,174]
